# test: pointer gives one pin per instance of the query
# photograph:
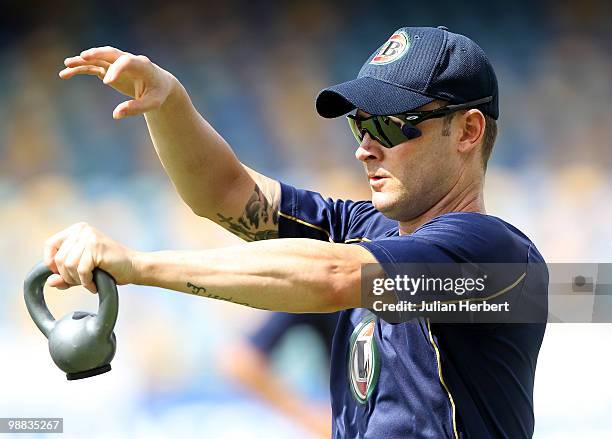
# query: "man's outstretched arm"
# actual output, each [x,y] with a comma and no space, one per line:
[291,275]
[202,166]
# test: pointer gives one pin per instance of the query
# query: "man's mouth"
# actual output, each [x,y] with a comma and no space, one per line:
[376,176]
[376,180]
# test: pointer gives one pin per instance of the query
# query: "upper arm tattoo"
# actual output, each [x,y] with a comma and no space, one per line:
[259,219]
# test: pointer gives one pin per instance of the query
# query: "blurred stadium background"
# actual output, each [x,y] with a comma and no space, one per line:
[253,70]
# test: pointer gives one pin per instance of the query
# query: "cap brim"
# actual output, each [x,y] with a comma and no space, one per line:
[370,95]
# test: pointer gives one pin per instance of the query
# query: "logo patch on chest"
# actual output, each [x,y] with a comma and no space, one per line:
[363,361]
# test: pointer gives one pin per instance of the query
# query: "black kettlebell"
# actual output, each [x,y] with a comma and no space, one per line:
[81,344]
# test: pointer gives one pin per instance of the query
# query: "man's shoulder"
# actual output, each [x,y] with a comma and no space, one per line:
[308,214]
[471,237]
[487,230]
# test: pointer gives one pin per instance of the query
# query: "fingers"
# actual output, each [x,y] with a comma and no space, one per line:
[133,75]
[76,61]
[125,62]
[95,61]
[53,244]
[67,258]
[77,65]
[85,270]
[120,65]
[68,73]
[107,53]
[68,255]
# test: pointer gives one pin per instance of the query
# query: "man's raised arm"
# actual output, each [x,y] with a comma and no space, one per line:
[202,166]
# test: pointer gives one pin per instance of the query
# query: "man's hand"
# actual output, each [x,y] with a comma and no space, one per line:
[133,75]
[73,253]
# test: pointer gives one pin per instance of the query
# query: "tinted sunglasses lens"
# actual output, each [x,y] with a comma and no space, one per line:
[387,130]
[369,125]
[355,128]
[391,130]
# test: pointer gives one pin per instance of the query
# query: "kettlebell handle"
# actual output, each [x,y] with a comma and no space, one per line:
[108,300]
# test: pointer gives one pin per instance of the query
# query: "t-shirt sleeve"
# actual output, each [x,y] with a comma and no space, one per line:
[307,214]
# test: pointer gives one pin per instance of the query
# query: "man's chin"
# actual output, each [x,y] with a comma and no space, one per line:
[383,203]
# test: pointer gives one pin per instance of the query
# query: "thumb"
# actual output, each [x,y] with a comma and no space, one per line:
[148,102]
[56,281]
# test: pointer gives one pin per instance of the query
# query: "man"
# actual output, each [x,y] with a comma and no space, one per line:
[425,165]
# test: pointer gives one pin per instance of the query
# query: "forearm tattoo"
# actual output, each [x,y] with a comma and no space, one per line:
[201,291]
[259,220]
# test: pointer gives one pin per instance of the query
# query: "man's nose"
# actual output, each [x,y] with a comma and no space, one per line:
[369,149]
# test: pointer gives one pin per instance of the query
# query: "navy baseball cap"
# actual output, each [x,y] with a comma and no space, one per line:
[415,66]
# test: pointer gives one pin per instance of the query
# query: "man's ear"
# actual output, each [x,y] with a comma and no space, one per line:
[472,125]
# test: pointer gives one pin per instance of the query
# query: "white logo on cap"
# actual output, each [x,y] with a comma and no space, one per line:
[395,47]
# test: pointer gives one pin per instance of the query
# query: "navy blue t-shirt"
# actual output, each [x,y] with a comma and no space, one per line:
[421,379]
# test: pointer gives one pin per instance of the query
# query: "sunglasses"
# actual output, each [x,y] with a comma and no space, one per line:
[390,131]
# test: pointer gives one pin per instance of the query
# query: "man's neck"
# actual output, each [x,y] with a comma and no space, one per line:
[466,199]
